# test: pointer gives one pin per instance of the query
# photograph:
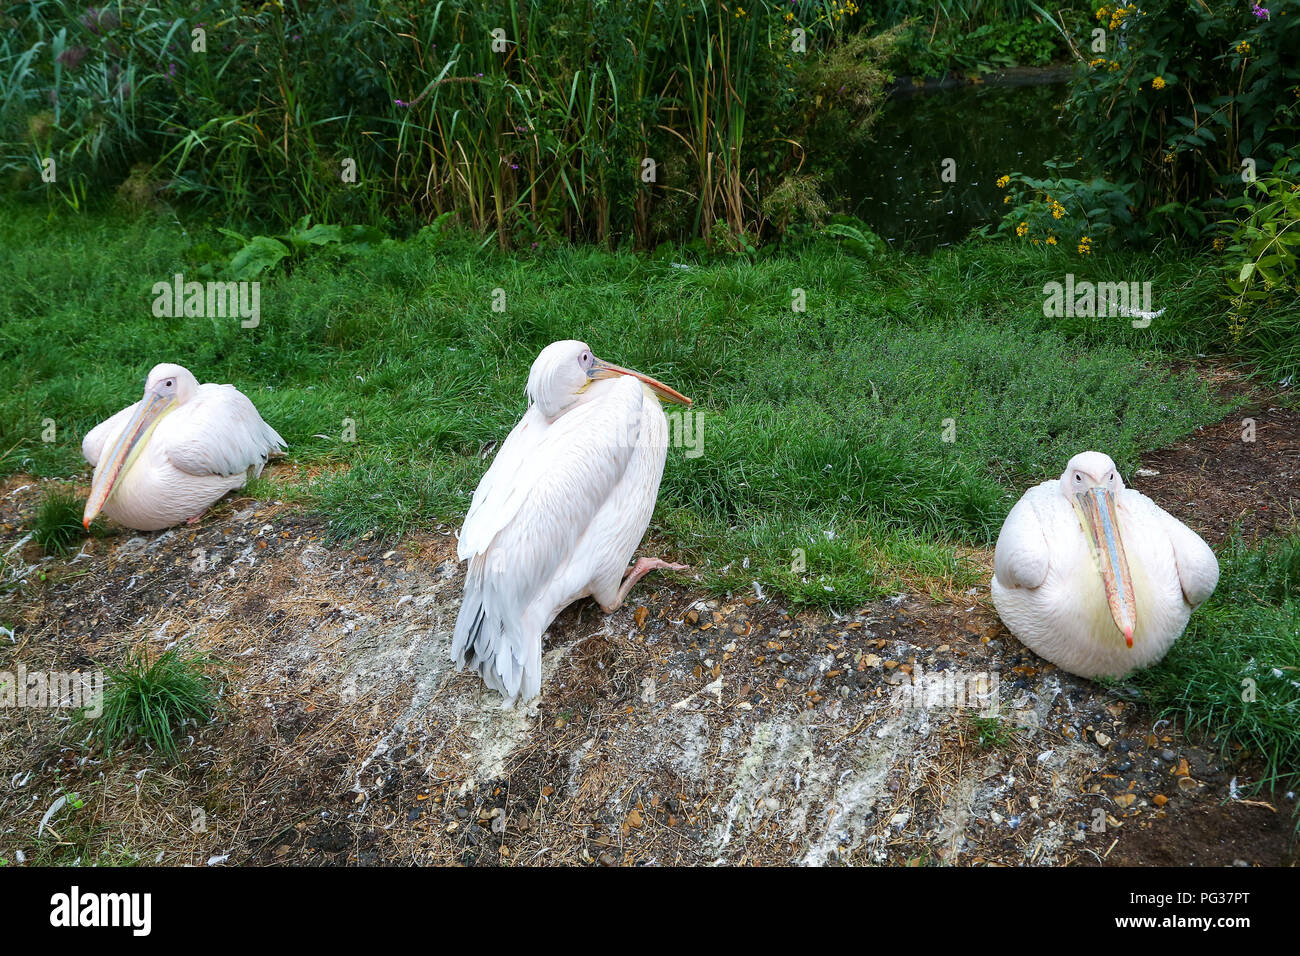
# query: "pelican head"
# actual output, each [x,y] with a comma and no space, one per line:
[564,370]
[1091,483]
[168,387]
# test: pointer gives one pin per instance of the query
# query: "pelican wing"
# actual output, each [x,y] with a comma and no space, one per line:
[504,486]
[92,446]
[1198,568]
[1022,556]
[556,474]
[218,432]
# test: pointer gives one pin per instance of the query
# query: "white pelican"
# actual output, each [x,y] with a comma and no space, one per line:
[560,512]
[1096,577]
[176,451]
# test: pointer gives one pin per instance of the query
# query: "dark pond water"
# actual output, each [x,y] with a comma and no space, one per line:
[893,181]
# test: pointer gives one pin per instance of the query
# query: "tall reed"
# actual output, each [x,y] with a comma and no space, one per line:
[532,120]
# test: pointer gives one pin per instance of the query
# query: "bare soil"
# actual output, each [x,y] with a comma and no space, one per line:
[679,730]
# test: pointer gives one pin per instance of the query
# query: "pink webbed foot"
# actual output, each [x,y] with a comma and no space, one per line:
[635,573]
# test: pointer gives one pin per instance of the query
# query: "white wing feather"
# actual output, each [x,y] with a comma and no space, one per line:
[218,432]
[505,484]
[1022,556]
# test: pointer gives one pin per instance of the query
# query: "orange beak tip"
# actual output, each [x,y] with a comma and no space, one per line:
[1128,636]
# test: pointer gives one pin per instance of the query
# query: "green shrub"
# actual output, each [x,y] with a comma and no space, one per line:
[1183,94]
[1059,210]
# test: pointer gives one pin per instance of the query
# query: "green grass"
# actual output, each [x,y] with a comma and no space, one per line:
[149,700]
[992,733]
[1234,675]
[822,430]
[57,522]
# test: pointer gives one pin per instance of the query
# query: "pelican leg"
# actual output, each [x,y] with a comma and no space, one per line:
[195,519]
[634,574]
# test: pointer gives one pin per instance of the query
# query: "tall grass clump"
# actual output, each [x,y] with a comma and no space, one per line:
[150,700]
[532,120]
[57,521]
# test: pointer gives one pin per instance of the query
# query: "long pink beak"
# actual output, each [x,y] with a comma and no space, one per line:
[602,369]
[1100,519]
[116,460]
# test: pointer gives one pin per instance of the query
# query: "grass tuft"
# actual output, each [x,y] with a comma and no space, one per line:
[57,522]
[150,701]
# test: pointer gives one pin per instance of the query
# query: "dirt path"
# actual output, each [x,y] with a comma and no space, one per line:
[678,730]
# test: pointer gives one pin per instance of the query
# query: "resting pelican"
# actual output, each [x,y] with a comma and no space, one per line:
[176,451]
[560,512]
[1096,577]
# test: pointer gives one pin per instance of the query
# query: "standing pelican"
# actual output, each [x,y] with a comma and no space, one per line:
[560,512]
[176,451]
[1096,577]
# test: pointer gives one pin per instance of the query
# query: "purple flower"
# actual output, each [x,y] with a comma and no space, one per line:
[71,57]
[514,165]
[401,103]
[1261,12]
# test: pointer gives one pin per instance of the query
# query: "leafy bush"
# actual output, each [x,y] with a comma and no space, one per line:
[1060,210]
[928,49]
[1262,269]
[1176,96]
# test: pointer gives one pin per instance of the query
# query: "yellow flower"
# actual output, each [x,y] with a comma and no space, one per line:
[1243,48]
[1051,240]
[1057,210]
[1002,182]
[1218,245]
[1085,246]
[1006,199]
[1022,229]
[1035,241]
[1158,83]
